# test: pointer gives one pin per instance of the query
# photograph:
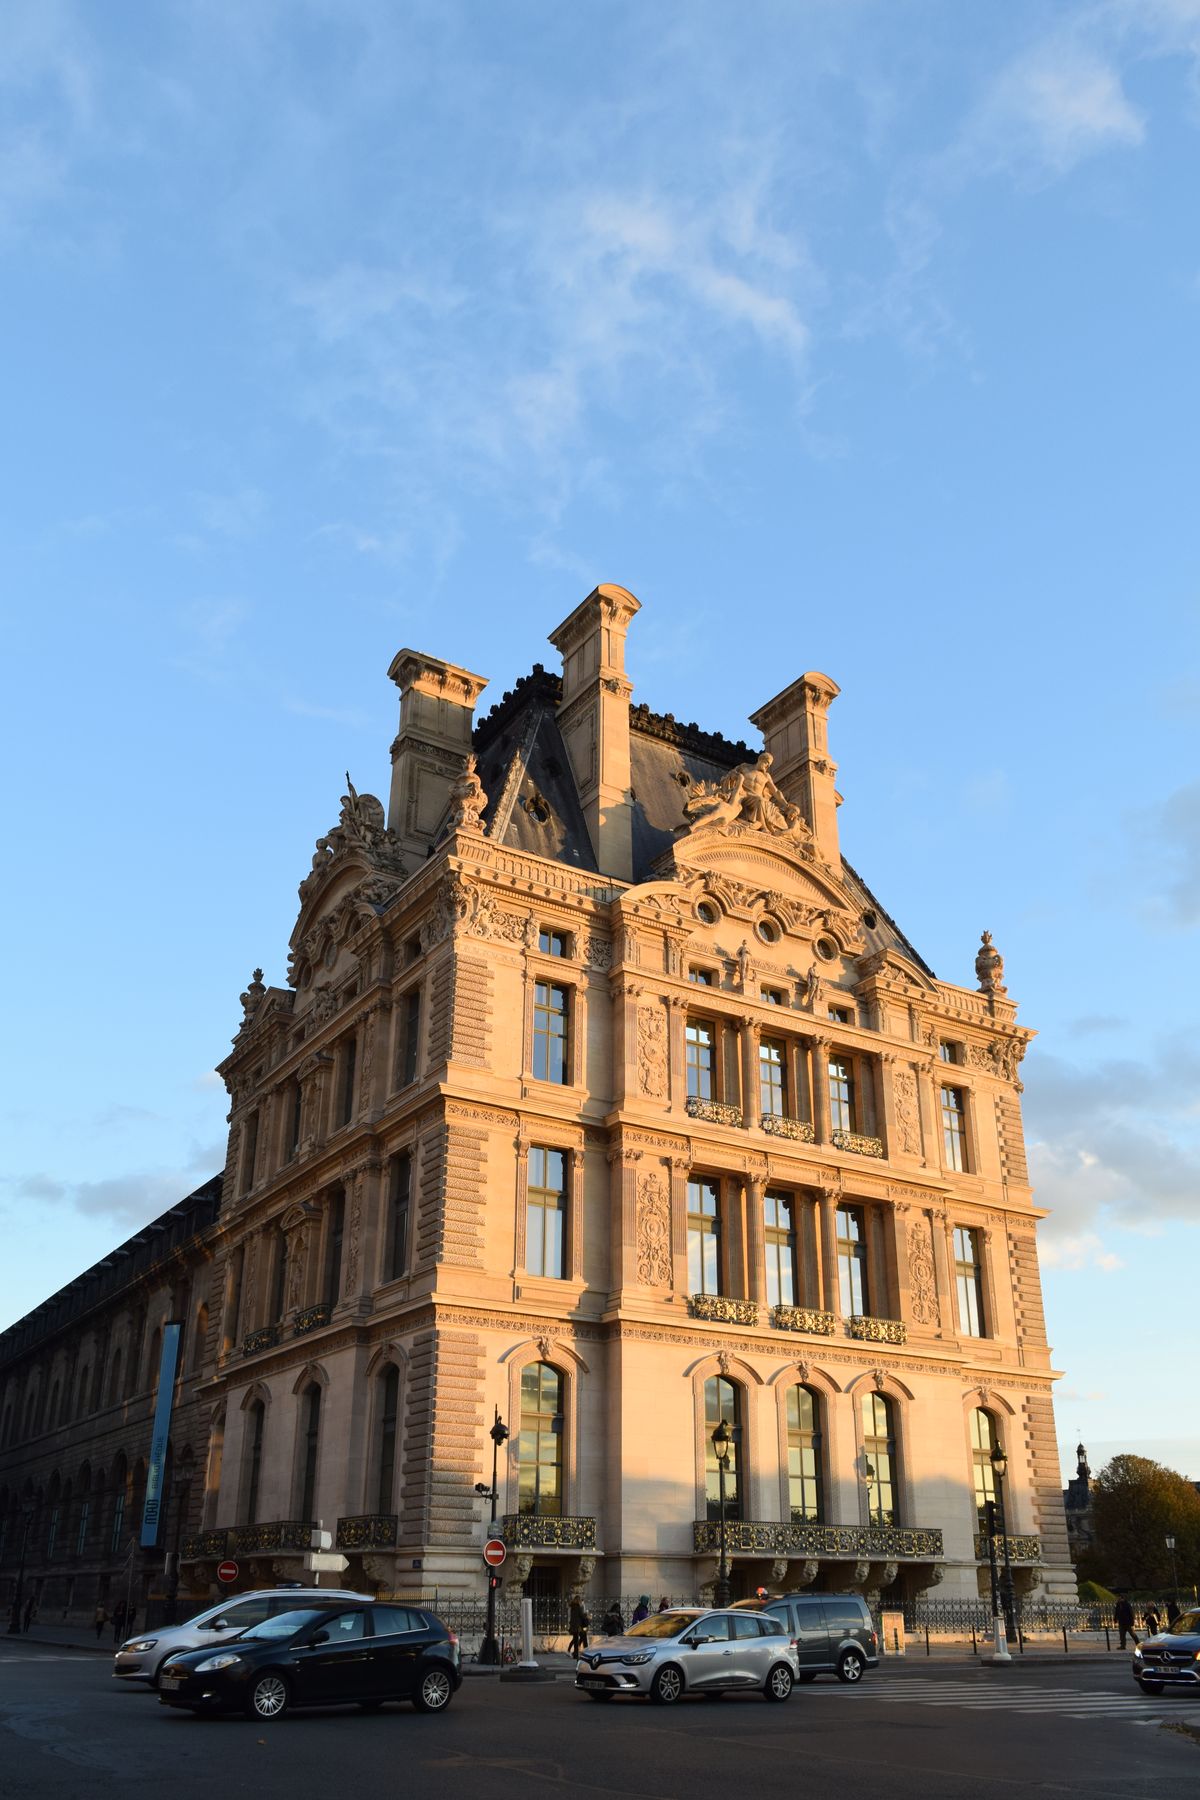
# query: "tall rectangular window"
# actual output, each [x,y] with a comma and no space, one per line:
[804,1455]
[399,1192]
[852,1261]
[780,1237]
[410,1028]
[52,1534]
[546,1213]
[704,1237]
[772,1077]
[311,1413]
[81,1536]
[346,1086]
[699,1039]
[701,977]
[549,1032]
[954,1127]
[552,943]
[841,1093]
[118,1524]
[968,1270]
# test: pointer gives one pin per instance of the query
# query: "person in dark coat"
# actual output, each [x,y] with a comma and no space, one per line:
[1173,1611]
[614,1623]
[1123,1620]
[641,1610]
[579,1627]
[118,1619]
[1151,1617]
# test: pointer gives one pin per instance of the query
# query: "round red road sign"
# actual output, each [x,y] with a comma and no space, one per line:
[494,1552]
[227,1571]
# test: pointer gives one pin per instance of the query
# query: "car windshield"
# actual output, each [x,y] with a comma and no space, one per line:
[285,1624]
[1185,1625]
[663,1625]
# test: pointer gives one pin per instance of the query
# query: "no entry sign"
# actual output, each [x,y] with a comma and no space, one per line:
[494,1552]
[227,1571]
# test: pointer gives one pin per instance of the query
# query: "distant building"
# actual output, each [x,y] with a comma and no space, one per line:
[606,1096]
[1077,1505]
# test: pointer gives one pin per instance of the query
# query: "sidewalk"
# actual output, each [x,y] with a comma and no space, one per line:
[63,1637]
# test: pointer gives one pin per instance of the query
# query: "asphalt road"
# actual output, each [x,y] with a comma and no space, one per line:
[958,1732]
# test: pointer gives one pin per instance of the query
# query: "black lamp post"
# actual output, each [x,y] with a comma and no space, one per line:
[14,1617]
[999,1470]
[722,1440]
[489,1650]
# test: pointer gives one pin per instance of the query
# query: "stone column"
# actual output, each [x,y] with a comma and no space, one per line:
[364,1195]
[950,1312]
[818,1056]
[943,1273]
[680,1170]
[676,1055]
[625,1047]
[748,1033]
[931,1124]
[575,1162]
[827,1199]
[623,1254]
[896,1259]
[753,1190]
[884,1067]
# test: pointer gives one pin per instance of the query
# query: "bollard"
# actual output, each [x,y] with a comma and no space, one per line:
[1066,1646]
[927,1640]
[527,1635]
[974,1645]
[1107,1639]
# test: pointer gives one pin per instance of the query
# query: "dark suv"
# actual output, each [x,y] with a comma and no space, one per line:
[833,1633]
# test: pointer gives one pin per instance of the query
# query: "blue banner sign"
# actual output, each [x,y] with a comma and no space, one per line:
[162,1432]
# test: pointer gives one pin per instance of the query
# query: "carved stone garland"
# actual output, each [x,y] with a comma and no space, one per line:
[653,1231]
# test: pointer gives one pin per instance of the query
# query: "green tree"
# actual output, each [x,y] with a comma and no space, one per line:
[1136,1506]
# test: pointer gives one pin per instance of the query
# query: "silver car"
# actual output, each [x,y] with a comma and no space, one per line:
[141,1658]
[690,1650]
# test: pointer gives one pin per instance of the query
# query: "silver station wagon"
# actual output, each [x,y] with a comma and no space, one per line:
[140,1658]
[689,1650]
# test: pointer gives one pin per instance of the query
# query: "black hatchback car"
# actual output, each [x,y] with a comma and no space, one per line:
[362,1655]
[834,1634]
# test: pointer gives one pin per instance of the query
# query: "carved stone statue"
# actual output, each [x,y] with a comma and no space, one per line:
[467,800]
[362,827]
[989,967]
[252,996]
[747,797]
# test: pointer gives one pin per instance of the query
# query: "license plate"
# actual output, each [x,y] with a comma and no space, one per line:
[169,1680]
[593,1684]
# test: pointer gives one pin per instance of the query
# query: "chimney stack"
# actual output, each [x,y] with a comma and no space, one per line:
[594,720]
[795,730]
[437,711]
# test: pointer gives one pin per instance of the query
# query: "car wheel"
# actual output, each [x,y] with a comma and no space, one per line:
[807,1675]
[850,1666]
[433,1691]
[667,1686]
[1150,1687]
[779,1683]
[269,1696]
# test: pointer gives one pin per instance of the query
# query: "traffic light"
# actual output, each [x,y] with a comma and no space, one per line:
[495,1582]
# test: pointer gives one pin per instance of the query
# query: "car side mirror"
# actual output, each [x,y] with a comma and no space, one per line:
[694,1643]
[218,1625]
[319,1637]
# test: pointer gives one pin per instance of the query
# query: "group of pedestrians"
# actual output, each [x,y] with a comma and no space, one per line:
[121,1619]
[1123,1619]
[611,1625]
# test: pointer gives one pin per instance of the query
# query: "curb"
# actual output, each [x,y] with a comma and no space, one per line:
[38,1643]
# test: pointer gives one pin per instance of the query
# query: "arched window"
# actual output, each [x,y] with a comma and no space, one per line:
[780,1233]
[879,1451]
[399,1191]
[256,1415]
[540,1444]
[983,1442]
[804,1454]
[723,1400]
[389,1406]
[310,1425]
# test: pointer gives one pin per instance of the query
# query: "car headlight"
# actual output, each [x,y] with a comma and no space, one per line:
[140,1644]
[216,1662]
[631,1662]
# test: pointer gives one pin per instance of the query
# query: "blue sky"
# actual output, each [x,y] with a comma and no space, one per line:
[859,337]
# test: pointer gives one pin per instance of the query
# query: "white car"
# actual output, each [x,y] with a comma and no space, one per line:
[689,1650]
[141,1658]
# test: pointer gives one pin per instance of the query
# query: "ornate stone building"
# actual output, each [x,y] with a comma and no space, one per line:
[605,1095]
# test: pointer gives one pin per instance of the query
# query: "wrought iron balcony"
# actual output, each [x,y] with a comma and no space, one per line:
[858,1143]
[542,1531]
[723,1310]
[764,1537]
[1020,1549]
[802,1318]
[714,1111]
[200,1544]
[877,1331]
[779,1125]
[265,1338]
[367,1531]
[275,1534]
[311,1318]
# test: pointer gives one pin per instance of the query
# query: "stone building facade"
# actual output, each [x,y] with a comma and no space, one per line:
[605,1096]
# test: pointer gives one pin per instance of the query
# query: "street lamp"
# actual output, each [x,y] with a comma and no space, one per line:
[999,1470]
[1170,1543]
[722,1441]
[489,1650]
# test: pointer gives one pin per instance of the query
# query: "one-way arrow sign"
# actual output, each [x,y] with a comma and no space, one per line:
[325,1562]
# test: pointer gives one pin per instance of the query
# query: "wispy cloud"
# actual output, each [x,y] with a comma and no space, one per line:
[1172,830]
[1048,111]
[127,1200]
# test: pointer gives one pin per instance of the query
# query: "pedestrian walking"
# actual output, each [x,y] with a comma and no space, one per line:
[30,1612]
[641,1610]
[664,1605]
[579,1627]
[613,1623]
[1173,1611]
[100,1619]
[118,1621]
[1152,1625]
[1123,1620]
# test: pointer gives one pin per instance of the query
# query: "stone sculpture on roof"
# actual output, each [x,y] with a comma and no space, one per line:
[747,797]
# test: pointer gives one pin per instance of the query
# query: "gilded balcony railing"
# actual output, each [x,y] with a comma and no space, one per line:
[544,1531]
[877,1331]
[199,1544]
[802,1318]
[273,1534]
[764,1537]
[723,1310]
[263,1339]
[367,1531]
[714,1111]
[1020,1549]
[857,1142]
[311,1318]
[778,1125]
